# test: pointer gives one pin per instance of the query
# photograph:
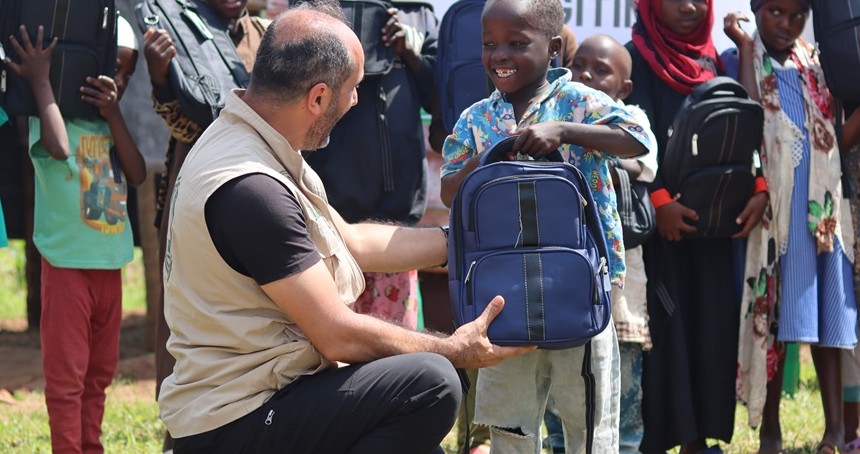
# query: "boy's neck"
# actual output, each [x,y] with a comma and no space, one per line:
[525,97]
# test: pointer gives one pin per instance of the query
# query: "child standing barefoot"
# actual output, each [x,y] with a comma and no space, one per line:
[798,262]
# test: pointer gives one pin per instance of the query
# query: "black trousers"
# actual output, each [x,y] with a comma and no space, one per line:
[404,403]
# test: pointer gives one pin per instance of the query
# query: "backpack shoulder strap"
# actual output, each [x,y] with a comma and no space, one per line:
[201,16]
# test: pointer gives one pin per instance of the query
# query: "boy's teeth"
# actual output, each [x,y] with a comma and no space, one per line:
[505,72]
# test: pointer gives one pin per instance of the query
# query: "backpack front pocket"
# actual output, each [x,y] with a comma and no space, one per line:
[550,293]
[500,224]
[718,195]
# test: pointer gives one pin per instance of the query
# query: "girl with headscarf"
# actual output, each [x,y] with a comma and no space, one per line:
[798,284]
[688,377]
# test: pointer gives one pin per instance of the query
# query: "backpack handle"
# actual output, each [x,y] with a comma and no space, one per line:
[720,87]
[500,151]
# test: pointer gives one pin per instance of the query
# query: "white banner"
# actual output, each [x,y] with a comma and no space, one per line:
[616,17]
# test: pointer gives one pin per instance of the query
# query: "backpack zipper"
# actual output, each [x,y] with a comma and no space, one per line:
[105,18]
[469,301]
[695,144]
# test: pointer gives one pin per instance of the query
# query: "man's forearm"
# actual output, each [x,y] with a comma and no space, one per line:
[391,248]
[370,338]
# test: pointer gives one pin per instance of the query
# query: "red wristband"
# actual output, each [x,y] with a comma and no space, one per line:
[760,185]
[661,197]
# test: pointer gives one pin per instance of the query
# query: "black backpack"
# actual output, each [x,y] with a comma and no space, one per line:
[367,18]
[374,166]
[86,46]
[206,66]
[709,158]
[837,31]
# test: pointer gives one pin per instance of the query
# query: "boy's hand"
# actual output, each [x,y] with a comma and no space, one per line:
[732,28]
[104,96]
[751,214]
[158,49]
[670,220]
[405,40]
[538,140]
[35,63]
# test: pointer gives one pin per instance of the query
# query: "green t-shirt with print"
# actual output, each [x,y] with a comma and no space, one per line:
[81,216]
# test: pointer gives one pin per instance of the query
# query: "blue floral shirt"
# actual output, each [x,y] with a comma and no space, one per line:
[492,119]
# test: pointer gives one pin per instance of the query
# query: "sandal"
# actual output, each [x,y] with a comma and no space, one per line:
[852,447]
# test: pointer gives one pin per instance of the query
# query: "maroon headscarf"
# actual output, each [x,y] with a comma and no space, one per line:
[682,61]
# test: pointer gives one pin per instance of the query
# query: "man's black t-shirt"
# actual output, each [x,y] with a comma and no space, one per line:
[258,227]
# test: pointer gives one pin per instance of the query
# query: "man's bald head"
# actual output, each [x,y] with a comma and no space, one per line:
[304,46]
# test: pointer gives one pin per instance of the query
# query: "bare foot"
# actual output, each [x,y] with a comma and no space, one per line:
[825,447]
[768,445]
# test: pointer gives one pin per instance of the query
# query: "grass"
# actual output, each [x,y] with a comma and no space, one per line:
[131,422]
[13,284]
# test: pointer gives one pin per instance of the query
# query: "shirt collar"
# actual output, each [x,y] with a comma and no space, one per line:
[278,144]
[237,27]
[556,78]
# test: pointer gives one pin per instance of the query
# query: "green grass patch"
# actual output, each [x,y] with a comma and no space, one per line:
[131,423]
[13,284]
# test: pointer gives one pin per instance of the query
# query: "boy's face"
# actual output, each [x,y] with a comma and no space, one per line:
[600,64]
[515,54]
[683,16]
[228,9]
[780,23]
[126,61]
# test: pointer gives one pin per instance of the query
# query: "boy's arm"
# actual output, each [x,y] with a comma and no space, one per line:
[158,49]
[104,95]
[130,160]
[35,68]
[540,139]
[452,181]
[461,158]
[851,130]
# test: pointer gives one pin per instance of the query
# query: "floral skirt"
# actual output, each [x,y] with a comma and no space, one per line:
[392,297]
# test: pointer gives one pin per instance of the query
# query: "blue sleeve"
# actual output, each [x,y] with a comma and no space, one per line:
[731,62]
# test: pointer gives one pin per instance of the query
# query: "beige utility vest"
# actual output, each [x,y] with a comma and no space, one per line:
[234,347]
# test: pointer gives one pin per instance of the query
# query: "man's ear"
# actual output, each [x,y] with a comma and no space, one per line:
[554,47]
[318,98]
[626,88]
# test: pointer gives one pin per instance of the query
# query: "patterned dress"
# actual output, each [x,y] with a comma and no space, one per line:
[817,302]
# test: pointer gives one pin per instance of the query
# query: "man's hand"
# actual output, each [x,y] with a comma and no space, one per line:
[35,63]
[732,28]
[158,49]
[104,95]
[405,40]
[473,348]
[751,214]
[670,220]
[538,140]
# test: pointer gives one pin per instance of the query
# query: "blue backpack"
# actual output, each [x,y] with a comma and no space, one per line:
[459,72]
[529,231]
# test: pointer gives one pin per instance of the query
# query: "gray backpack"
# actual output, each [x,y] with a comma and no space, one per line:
[206,66]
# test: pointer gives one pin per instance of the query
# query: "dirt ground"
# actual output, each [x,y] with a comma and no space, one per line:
[22,357]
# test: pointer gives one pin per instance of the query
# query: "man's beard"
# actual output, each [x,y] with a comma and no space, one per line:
[319,133]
